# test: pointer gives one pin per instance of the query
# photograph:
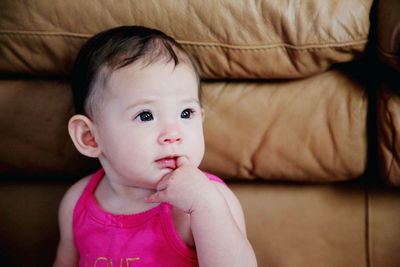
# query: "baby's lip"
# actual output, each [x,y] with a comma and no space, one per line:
[168,162]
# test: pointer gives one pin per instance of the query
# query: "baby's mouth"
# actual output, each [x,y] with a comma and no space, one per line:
[168,162]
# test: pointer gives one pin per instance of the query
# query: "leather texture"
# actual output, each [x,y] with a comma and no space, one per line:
[326,113]
[326,142]
[388,32]
[305,225]
[260,33]
[383,222]
[388,133]
[297,105]
[33,129]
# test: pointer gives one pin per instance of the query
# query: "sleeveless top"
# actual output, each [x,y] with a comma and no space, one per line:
[148,238]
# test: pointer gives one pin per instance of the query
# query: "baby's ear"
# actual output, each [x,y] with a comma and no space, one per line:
[80,129]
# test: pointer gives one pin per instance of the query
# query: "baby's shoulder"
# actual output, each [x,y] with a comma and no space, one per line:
[72,195]
[77,188]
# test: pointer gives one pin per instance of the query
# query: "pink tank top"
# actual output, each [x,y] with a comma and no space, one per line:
[143,239]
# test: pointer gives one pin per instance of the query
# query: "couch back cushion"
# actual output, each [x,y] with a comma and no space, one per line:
[230,39]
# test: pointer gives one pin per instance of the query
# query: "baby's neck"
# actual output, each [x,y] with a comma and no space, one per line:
[120,199]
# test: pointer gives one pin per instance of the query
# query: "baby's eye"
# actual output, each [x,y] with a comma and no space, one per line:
[144,116]
[187,113]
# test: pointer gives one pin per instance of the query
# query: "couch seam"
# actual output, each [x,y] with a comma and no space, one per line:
[204,44]
[275,46]
[46,34]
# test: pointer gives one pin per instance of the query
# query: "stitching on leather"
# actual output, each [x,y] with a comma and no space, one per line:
[205,45]
[47,34]
[276,46]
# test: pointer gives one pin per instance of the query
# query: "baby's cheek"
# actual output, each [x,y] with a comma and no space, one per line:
[199,154]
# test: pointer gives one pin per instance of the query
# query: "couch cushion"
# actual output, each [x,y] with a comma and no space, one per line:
[34,138]
[383,223]
[231,39]
[309,130]
[308,225]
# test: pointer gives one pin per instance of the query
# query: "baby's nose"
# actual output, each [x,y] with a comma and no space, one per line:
[170,135]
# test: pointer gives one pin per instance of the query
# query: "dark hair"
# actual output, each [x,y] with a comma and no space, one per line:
[119,47]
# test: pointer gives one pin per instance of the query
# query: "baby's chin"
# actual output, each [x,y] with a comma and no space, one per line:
[166,171]
[161,174]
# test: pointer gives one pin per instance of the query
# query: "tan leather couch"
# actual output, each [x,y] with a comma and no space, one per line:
[302,119]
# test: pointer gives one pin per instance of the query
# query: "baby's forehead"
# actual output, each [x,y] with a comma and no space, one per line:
[139,70]
[146,76]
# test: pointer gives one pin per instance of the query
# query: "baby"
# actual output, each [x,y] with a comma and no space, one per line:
[137,97]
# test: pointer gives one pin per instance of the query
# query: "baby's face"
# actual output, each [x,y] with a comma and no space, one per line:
[151,116]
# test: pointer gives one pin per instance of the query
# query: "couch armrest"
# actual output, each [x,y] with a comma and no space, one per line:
[388,32]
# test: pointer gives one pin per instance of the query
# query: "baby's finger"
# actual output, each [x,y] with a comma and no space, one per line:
[163,183]
[182,161]
[157,197]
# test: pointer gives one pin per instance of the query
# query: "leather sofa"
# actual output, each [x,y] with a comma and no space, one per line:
[302,119]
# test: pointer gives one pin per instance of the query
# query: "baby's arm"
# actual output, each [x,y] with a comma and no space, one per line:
[216,217]
[66,252]
[219,231]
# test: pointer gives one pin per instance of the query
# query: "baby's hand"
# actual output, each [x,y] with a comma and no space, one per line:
[184,188]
